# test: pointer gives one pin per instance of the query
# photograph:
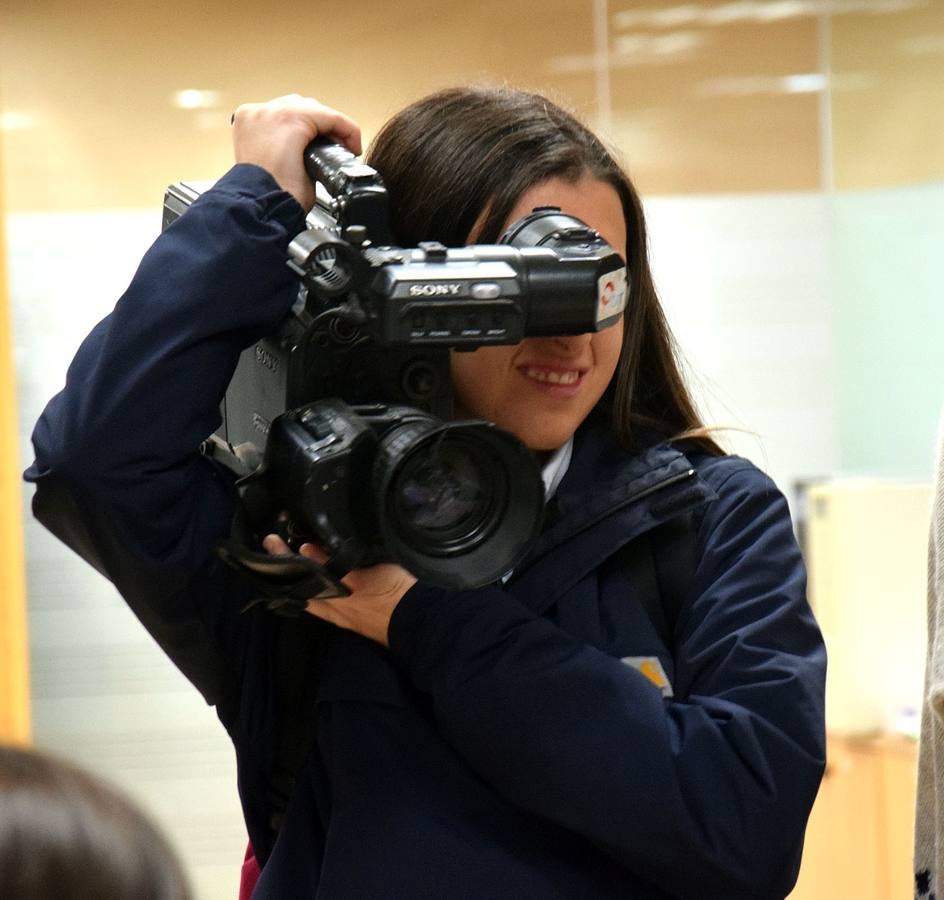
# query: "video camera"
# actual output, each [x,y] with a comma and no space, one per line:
[340,422]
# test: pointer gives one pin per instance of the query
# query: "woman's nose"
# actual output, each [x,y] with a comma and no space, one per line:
[570,344]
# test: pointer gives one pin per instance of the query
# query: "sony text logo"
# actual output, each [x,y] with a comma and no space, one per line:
[435,290]
[266,359]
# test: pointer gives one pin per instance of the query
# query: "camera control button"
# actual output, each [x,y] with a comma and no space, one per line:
[434,251]
[486,291]
[321,443]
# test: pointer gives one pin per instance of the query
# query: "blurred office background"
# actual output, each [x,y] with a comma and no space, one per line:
[791,158]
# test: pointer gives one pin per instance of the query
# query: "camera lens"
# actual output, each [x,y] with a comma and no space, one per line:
[459,502]
[448,495]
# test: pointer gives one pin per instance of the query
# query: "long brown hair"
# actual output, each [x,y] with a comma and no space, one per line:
[461,158]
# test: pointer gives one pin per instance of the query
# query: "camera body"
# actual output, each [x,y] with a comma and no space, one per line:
[341,417]
[456,503]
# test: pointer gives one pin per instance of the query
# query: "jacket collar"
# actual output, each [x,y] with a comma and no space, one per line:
[608,497]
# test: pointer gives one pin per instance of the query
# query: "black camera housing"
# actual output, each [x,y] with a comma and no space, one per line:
[365,353]
[453,502]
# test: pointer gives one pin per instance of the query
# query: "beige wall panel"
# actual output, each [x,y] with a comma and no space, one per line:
[888,97]
[843,854]
[95,85]
[859,840]
[713,118]
[707,116]
[899,788]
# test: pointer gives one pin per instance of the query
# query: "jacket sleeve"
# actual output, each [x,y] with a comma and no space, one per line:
[707,794]
[117,470]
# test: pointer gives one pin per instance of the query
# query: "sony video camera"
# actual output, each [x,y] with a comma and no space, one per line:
[340,422]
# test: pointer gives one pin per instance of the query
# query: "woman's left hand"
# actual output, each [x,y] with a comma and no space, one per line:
[375,593]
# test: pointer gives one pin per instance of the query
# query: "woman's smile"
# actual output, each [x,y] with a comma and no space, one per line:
[555,377]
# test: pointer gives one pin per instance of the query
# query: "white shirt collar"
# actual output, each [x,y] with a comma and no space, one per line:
[553,473]
[556,468]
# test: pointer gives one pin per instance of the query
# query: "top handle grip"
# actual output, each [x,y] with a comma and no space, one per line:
[329,163]
[357,190]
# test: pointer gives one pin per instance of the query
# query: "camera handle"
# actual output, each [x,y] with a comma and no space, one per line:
[285,583]
[357,190]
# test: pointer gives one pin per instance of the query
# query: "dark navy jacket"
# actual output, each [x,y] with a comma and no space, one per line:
[504,746]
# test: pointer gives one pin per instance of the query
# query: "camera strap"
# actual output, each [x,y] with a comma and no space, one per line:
[661,566]
[286,583]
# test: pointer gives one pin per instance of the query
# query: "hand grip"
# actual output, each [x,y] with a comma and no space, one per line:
[325,161]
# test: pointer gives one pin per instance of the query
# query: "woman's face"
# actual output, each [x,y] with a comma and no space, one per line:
[543,388]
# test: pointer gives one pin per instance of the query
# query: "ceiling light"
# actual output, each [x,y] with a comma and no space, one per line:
[808,83]
[14,120]
[193,98]
[755,11]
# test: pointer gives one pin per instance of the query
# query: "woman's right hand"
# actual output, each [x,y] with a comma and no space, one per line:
[274,135]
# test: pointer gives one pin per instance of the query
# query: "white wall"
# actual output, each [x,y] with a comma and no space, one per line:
[745,285]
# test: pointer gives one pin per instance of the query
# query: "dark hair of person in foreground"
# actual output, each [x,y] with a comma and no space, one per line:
[67,835]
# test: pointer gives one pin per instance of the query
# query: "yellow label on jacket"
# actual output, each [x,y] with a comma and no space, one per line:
[651,667]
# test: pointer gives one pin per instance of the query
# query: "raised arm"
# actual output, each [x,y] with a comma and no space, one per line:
[117,467]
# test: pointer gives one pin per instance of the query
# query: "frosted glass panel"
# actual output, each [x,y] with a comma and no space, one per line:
[888,289]
[745,285]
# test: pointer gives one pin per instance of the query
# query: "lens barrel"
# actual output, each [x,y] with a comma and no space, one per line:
[458,503]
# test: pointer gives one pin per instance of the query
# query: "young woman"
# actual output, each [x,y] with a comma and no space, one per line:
[539,737]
